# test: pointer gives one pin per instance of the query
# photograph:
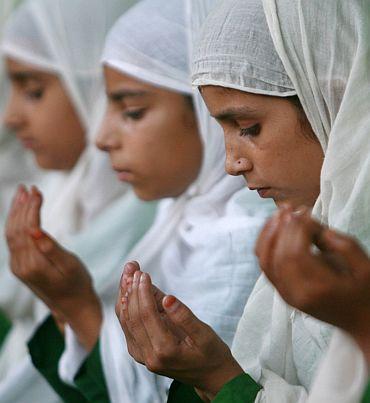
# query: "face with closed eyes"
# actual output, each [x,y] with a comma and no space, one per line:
[151,135]
[268,143]
[42,116]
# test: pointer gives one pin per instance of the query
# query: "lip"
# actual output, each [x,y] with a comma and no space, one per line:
[124,175]
[27,142]
[262,191]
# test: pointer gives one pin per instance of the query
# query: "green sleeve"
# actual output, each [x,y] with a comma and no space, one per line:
[366,397]
[5,326]
[180,393]
[242,389]
[90,379]
[46,347]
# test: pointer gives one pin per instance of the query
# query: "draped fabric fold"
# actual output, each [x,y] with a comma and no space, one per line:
[200,247]
[319,51]
[87,209]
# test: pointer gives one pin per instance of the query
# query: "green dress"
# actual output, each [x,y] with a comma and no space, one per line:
[46,348]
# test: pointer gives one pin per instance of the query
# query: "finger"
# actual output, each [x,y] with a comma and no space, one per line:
[158,296]
[11,219]
[268,232]
[49,247]
[294,245]
[267,228]
[354,257]
[32,219]
[33,216]
[51,251]
[23,249]
[131,267]
[17,218]
[298,272]
[132,347]
[267,241]
[149,313]
[127,275]
[15,201]
[133,318]
[22,211]
[184,318]
[121,312]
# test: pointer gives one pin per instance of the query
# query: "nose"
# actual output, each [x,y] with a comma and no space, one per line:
[237,164]
[107,138]
[13,119]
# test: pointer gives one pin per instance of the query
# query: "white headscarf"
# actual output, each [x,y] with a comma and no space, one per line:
[66,37]
[87,210]
[329,70]
[164,63]
[15,164]
[200,247]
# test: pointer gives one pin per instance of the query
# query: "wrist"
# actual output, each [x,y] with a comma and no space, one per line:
[363,341]
[218,378]
[361,334]
[85,318]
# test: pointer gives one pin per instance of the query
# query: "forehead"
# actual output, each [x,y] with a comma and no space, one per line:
[23,72]
[228,101]
[116,78]
[121,86]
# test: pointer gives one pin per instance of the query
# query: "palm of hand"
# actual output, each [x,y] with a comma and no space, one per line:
[170,340]
[53,273]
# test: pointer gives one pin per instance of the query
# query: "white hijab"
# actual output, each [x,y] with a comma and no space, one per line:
[15,163]
[297,51]
[164,63]
[87,210]
[201,245]
[330,69]
[66,37]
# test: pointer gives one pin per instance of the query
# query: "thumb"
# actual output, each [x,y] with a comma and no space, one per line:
[348,249]
[183,317]
[36,201]
[47,245]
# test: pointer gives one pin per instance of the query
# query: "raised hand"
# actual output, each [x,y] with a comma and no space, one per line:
[319,271]
[55,275]
[165,336]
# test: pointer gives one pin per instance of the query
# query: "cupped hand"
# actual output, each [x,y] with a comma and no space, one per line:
[318,271]
[55,275]
[164,335]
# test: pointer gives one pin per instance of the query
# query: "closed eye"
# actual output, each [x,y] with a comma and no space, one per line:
[251,131]
[35,94]
[136,114]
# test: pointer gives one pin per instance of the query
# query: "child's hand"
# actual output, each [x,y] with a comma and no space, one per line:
[163,334]
[330,282]
[55,275]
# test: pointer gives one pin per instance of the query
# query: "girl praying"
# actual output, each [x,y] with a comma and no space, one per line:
[55,108]
[252,58]
[162,142]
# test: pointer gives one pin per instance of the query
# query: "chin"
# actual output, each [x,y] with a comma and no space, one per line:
[154,194]
[146,195]
[295,204]
[50,164]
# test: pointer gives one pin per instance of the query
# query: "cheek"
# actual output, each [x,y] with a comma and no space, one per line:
[61,121]
[151,141]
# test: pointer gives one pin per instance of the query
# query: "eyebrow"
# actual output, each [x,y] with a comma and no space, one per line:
[23,76]
[235,113]
[120,95]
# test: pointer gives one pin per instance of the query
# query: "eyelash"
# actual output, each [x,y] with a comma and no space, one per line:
[251,131]
[134,114]
[35,94]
